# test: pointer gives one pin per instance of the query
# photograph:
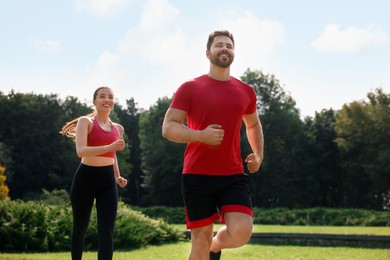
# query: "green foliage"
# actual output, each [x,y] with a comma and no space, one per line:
[320,168]
[134,230]
[23,226]
[363,136]
[335,159]
[284,216]
[59,218]
[162,160]
[54,197]
[37,226]
[38,157]
[277,183]
[5,156]
[129,118]
[322,217]
[172,215]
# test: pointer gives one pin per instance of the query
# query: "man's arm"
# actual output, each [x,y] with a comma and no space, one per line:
[173,129]
[255,137]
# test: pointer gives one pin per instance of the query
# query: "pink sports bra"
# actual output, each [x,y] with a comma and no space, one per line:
[100,137]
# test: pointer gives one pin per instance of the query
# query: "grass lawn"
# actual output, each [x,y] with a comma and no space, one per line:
[180,251]
[345,230]
[250,251]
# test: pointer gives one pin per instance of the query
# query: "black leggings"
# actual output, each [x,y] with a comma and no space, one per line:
[90,183]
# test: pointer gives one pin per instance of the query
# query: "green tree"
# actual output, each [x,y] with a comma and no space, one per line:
[161,159]
[129,119]
[67,164]
[5,157]
[322,163]
[30,132]
[36,155]
[363,130]
[277,183]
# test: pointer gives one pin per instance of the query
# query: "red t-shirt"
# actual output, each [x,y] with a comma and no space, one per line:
[209,101]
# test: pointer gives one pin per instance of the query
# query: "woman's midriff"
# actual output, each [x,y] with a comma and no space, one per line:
[97,161]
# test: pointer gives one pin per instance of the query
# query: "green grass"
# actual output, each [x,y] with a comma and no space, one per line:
[180,251]
[347,230]
[250,251]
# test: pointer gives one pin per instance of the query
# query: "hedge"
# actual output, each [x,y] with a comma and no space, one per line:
[40,227]
[284,216]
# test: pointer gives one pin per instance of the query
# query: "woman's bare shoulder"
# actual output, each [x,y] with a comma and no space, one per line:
[87,120]
[118,126]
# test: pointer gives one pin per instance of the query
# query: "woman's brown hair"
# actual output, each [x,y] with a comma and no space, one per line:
[69,129]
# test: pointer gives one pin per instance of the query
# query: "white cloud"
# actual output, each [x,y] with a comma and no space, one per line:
[161,43]
[255,39]
[350,40]
[49,46]
[158,14]
[156,43]
[100,7]
[160,39]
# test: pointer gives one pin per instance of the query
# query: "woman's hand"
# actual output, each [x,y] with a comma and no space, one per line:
[122,182]
[118,145]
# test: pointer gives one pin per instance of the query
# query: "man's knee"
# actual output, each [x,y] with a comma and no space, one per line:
[240,236]
[240,228]
[202,235]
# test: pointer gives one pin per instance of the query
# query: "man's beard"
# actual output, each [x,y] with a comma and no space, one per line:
[222,62]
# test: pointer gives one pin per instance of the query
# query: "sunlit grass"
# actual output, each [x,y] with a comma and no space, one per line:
[250,251]
[180,251]
[348,230]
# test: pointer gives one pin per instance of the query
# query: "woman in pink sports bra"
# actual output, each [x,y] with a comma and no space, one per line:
[97,140]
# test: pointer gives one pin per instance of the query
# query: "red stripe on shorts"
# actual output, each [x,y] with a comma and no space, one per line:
[235,208]
[201,222]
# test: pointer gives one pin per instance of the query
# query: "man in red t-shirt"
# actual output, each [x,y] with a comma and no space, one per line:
[214,184]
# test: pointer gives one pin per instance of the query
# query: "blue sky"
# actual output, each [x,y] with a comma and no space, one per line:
[324,53]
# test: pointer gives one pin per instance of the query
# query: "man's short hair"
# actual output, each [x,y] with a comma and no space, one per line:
[218,33]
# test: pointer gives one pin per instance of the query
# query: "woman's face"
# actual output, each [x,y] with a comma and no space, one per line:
[104,100]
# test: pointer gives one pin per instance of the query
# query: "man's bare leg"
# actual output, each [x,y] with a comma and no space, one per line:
[201,239]
[236,232]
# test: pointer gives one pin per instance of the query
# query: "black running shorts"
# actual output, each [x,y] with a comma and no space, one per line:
[209,197]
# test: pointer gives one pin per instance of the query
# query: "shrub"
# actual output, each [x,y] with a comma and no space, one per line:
[172,215]
[134,230]
[284,216]
[23,226]
[37,226]
[321,217]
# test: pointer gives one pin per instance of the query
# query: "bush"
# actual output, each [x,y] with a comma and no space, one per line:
[40,227]
[172,215]
[134,230]
[23,226]
[322,217]
[285,216]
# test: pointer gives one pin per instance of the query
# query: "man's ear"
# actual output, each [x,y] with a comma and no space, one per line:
[208,54]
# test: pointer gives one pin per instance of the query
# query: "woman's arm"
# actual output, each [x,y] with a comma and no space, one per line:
[122,182]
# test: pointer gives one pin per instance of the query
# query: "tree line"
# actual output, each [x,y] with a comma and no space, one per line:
[337,158]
